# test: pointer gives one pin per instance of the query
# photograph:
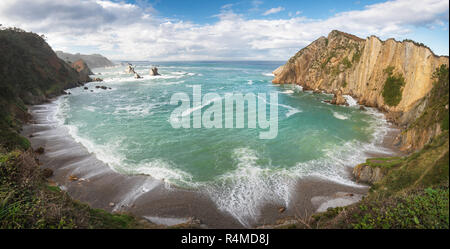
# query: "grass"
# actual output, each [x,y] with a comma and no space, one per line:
[27,201]
[436,111]
[419,209]
[413,194]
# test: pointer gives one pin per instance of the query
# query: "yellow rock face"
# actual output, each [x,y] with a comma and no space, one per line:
[358,67]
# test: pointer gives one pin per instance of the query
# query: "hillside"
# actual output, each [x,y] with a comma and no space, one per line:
[93,60]
[393,76]
[411,85]
[30,73]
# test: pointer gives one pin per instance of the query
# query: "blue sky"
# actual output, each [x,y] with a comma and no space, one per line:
[203,11]
[221,30]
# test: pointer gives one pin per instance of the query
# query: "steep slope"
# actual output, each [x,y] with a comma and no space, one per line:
[393,76]
[30,72]
[409,83]
[93,60]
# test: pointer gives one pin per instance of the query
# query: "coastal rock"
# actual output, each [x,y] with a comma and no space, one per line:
[97,79]
[40,150]
[73,178]
[93,60]
[154,71]
[83,70]
[47,172]
[137,76]
[339,99]
[130,69]
[367,174]
[360,68]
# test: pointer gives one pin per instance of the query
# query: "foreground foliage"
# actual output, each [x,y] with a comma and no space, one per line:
[28,201]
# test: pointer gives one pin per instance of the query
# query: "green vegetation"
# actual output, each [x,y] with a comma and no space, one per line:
[436,110]
[385,163]
[27,201]
[413,194]
[346,63]
[29,72]
[356,56]
[393,87]
[330,56]
[419,209]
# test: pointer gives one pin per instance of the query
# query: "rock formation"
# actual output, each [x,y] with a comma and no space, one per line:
[93,61]
[154,71]
[339,99]
[82,68]
[361,68]
[137,76]
[130,69]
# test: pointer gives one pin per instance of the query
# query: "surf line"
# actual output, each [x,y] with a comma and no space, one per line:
[212,116]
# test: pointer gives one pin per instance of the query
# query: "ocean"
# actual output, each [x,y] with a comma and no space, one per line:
[128,127]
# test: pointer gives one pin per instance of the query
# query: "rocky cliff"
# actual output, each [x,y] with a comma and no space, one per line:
[82,68]
[93,60]
[30,73]
[396,77]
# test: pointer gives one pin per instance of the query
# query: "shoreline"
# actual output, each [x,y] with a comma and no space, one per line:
[90,180]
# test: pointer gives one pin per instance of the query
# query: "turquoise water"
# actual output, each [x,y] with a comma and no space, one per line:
[128,128]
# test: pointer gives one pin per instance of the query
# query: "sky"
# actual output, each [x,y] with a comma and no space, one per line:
[179,30]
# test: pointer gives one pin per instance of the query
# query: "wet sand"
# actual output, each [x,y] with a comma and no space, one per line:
[97,184]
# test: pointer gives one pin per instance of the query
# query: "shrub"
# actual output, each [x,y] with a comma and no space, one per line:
[393,87]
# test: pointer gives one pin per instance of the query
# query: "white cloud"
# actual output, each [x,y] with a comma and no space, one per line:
[132,32]
[273,11]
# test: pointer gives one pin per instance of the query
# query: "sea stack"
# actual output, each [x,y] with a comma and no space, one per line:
[154,71]
[130,69]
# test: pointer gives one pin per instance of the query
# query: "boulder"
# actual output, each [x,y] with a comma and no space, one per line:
[137,76]
[339,99]
[47,172]
[40,150]
[366,174]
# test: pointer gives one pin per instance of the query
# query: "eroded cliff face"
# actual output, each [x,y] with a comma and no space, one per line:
[360,68]
[83,70]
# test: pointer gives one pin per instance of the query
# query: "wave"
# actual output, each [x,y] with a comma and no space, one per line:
[268,74]
[191,110]
[340,116]
[243,191]
[350,100]
[291,110]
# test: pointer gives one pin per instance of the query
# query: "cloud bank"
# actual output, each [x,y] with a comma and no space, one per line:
[132,32]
